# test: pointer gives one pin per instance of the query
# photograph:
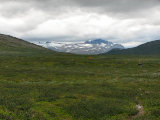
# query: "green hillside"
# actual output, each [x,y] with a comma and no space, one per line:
[9,43]
[150,48]
[38,84]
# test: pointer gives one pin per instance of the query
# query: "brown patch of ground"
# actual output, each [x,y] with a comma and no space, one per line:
[141,112]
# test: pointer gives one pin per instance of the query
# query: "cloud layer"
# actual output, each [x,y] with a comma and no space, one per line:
[129,22]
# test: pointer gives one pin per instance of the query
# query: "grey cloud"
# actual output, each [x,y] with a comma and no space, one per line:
[142,16]
[120,5]
[60,6]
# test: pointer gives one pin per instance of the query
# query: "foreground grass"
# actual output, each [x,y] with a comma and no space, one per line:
[55,86]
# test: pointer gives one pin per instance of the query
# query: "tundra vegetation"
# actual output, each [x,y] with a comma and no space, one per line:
[39,84]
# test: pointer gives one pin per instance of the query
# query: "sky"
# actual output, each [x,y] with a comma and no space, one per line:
[127,22]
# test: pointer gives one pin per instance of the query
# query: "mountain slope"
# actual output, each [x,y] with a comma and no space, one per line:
[12,44]
[150,48]
[90,47]
[98,41]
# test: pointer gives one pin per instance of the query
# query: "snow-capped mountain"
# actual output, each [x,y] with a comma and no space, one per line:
[90,47]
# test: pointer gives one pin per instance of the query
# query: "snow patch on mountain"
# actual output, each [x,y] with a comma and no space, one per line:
[90,47]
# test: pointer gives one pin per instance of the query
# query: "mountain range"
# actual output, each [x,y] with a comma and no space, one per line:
[98,46]
[90,47]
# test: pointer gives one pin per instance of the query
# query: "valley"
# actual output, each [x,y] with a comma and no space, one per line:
[39,84]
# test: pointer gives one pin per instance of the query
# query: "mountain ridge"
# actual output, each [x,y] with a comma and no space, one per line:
[149,48]
[98,41]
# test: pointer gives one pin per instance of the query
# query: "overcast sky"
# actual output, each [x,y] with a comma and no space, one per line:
[128,22]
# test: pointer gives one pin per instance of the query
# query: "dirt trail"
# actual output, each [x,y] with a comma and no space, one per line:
[141,112]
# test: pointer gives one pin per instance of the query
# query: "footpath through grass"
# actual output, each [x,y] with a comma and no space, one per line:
[56,86]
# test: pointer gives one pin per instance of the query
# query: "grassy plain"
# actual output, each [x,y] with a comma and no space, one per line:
[44,85]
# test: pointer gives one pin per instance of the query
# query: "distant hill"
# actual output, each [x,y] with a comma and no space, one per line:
[9,43]
[150,48]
